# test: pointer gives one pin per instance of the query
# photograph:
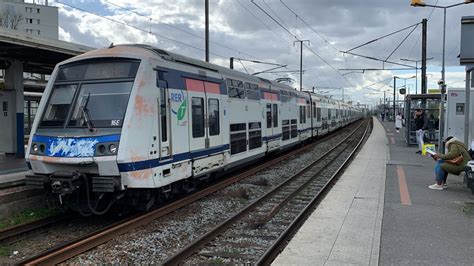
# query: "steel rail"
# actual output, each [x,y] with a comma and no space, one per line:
[75,247]
[190,249]
[282,240]
[16,231]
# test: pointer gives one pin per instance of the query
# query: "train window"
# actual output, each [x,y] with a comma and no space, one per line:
[213,111]
[314,110]
[318,114]
[308,111]
[197,117]
[329,114]
[294,128]
[285,129]
[302,114]
[238,138]
[59,105]
[235,89]
[103,69]
[253,93]
[103,104]
[269,115]
[255,135]
[275,115]
[236,92]
[163,113]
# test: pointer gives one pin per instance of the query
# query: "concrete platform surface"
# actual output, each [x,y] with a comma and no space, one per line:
[11,164]
[420,225]
[346,227]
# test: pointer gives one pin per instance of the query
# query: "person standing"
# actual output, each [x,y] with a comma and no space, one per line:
[383,116]
[421,123]
[398,122]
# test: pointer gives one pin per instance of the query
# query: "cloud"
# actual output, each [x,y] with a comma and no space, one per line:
[240,29]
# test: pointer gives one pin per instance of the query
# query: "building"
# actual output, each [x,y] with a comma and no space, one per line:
[39,20]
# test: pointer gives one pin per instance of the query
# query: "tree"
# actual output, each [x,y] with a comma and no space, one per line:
[10,18]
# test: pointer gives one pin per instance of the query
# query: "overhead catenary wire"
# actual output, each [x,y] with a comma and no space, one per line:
[177,28]
[313,30]
[312,51]
[382,37]
[140,29]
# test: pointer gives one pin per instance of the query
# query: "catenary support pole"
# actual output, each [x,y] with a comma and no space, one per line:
[207,29]
[423,56]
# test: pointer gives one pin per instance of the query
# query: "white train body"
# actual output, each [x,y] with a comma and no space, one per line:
[136,117]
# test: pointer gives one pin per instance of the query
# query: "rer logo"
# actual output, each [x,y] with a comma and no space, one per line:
[180,99]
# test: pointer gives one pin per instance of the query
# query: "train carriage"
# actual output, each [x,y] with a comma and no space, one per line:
[129,124]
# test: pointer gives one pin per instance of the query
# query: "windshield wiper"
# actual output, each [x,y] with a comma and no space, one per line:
[85,113]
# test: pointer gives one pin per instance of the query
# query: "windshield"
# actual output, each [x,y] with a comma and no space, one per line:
[105,103]
[96,94]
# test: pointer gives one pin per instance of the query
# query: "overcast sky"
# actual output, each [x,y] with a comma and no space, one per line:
[240,28]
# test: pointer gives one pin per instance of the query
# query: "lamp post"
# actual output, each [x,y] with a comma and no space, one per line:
[442,82]
[416,70]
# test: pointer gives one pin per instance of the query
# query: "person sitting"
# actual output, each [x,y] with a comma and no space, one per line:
[450,163]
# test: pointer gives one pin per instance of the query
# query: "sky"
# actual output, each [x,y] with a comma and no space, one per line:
[266,30]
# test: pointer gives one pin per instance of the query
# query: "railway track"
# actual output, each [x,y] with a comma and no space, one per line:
[68,250]
[16,232]
[253,234]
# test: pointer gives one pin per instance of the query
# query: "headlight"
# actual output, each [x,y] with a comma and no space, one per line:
[113,148]
[35,148]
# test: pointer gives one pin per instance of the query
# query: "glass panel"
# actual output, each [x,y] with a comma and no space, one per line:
[253,95]
[197,117]
[237,127]
[275,115]
[269,115]
[99,70]
[163,113]
[59,105]
[104,103]
[235,92]
[213,112]
[238,142]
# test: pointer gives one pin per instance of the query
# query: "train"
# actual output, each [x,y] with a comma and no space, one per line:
[134,124]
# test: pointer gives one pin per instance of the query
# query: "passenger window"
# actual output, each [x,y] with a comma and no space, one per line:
[238,138]
[164,131]
[285,129]
[269,115]
[255,135]
[318,114]
[235,89]
[213,111]
[275,115]
[198,117]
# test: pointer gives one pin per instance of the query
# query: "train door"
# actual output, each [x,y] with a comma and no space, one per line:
[213,114]
[164,121]
[206,113]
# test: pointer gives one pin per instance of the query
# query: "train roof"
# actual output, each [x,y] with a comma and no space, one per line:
[262,82]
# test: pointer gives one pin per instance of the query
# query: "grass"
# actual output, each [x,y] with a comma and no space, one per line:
[4,251]
[26,216]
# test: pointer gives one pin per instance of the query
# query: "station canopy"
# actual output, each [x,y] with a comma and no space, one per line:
[38,55]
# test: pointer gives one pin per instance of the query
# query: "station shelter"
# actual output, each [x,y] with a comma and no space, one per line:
[429,104]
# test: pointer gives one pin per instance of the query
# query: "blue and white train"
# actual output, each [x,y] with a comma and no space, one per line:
[129,124]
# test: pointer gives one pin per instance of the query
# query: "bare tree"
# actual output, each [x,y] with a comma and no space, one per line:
[10,18]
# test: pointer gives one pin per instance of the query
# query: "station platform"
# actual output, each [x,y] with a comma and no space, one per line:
[12,170]
[381,211]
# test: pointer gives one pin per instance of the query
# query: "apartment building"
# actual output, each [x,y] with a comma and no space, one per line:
[34,18]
